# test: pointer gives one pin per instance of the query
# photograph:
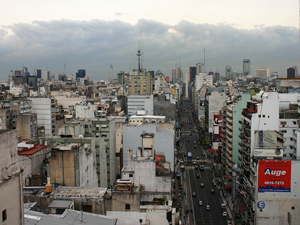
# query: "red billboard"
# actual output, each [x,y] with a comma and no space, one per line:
[274,176]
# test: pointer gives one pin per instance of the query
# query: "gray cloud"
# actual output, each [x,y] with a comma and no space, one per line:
[94,45]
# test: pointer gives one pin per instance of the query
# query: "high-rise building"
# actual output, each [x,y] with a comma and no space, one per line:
[80,73]
[139,80]
[193,73]
[227,72]
[262,72]
[246,67]
[38,73]
[292,72]
[200,68]
[111,75]
[217,77]
[177,74]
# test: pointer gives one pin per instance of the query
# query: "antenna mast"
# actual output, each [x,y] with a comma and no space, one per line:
[204,61]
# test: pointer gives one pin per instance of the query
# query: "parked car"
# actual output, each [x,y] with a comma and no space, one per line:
[223,206]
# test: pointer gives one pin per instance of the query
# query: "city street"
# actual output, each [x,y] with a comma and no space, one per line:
[194,177]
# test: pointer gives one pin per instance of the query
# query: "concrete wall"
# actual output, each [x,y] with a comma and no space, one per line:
[164,107]
[11,191]
[163,141]
[121,198]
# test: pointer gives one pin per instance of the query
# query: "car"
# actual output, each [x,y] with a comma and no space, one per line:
[195,146]
[202,185]
[194,162]
[196,167]
[225,214]
[212,191]
[198,157]
[203,153]
[223,206]
[197,175]
[194,194]
[207,207]
[200,203]
[194,142]
[229,222]
[215,183]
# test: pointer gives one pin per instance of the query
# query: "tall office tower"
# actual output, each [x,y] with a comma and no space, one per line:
[193,73]
[200,68]
[121,77]
[246,67]
[10,76]
[80,73]
[111,75]
[38,73]
[139,80]
[216,77]
[25,71]
[292,72]
[62,77]
[177,74]
[227,72]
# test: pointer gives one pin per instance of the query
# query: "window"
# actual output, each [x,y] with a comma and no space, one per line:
[127,207]
[4,215]
[130,175]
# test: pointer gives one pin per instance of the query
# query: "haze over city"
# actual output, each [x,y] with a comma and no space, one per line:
[92,35]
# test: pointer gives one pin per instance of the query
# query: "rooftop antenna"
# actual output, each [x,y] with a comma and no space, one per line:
[65,68]
[142,49]
[204,61]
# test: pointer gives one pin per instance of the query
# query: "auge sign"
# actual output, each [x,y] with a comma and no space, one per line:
[268,171]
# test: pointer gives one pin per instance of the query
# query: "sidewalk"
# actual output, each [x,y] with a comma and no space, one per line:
[229,206]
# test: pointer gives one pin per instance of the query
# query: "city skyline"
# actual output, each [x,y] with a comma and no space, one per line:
[49,41]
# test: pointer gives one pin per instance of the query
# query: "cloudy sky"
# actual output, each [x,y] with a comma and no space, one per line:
[93,34]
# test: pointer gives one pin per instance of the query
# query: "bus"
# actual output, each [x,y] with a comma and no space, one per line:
[190,157]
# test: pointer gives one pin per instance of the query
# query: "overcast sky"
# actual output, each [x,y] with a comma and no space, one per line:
[93,34]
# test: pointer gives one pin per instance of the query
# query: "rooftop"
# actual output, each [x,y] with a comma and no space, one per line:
[89,192]
[30,151]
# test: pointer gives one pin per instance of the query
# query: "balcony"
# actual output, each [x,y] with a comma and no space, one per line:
[229,146]
[229,163]
[229,113]
[229,132]
[229,157]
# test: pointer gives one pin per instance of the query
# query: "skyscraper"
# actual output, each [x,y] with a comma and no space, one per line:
[246,67]
[200,68]
[227,72]
[292,72]
[193,73]
[177,74]
[80,73]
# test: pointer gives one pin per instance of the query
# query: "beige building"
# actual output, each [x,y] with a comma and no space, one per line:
[262,72]
[27,126]
[11,188]
[140,82]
